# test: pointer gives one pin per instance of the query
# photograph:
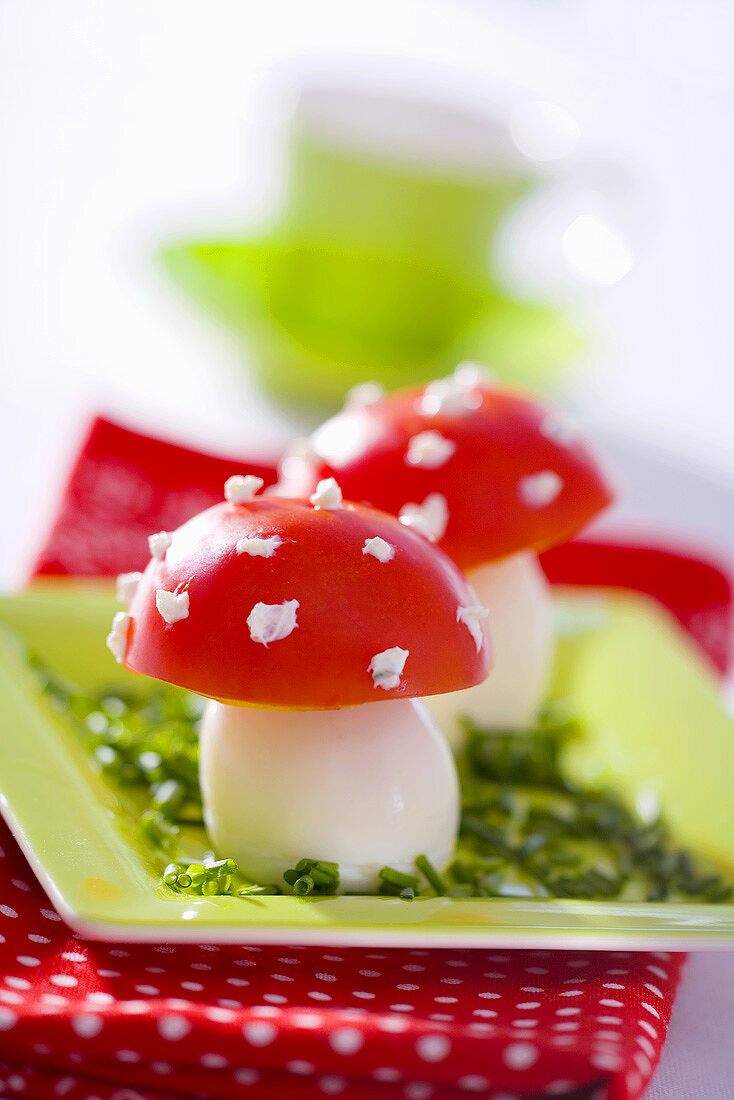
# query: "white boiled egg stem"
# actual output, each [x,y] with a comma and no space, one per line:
[520,622]
[365,786]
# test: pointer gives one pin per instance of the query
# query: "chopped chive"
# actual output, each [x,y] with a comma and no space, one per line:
[424,864]
[303,886]
[398,878]
[248,891]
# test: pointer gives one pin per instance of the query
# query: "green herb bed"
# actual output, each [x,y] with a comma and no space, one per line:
[527,830]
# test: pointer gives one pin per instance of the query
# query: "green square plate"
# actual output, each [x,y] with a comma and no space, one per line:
[657,729]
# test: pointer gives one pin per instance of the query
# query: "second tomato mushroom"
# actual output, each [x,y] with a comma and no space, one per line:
[493,476]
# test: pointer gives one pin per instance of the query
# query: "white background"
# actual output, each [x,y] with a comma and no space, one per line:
[121,125]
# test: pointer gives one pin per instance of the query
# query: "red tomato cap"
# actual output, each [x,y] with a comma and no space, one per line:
[278,603]
[502,471]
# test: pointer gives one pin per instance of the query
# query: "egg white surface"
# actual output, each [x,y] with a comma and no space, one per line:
[365,787]
[517,596]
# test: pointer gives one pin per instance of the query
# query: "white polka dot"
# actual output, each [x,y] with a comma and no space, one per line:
[387,1074]
[127,1056]
[528,1004]
[415,968]
[646,1045]
[300,1068]
[577,963]
[154,969]
[119,953]
[648,1028]
[441,1017]
[214,1061]
[346,1040]
[49,914]
[418,1090]
[456,962]
[17,983]
[227,1002]
[649,1008]
[609,1020]
[11,998]
[609,1003]
[557,1088]
[86,1025]
[173,1027]
[73,956]
[275,998]
[200,966]
[485,1013]
[27,960]
[237,981]
[653,989]
[567,1025]
[572,993]
[331,1085]
[608,1036]
[401,1008]
[220,1015]
[612,985]
[265,1010]
[432,1048]
[473,1082]
[8,1019]
[536,970]
[148,990]
[362,995]
[407,986]
[260,1033]
[446,1000]
[393,1024]
[376,973]
[656,970]
[35,938]
[310,1021]
[333,958]
[64,980]
[520,1056]
[489,996]
[609,1062]
[140,1007]
[319,996]
[246,1076]
[161,1068]
[495,974]
[322,977]
[193,987]
[18,1083]
[7,911]
[109,973]
[531,989]
[451,981]
[282,977]
[568,1011]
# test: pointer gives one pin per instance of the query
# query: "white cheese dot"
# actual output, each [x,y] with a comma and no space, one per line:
[173,606]
[258,547]
[558,429]
[472,617]
[117,637]
[159,543]
[240,488]
[367,393]
[538,490]
[429,519]
[270,622]
[328,495]
[429,450]
[386,667]
[454,395]
[469,374]
[127,584]
[379,549]
[299,461]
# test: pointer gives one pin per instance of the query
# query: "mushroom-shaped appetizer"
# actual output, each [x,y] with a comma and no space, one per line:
[313,627]
[493,476]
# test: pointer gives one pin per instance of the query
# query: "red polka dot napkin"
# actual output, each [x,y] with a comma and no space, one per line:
[82,1019]
[106,1022]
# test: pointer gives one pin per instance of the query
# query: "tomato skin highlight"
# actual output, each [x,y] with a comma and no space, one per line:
[506,438]
[351,607]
